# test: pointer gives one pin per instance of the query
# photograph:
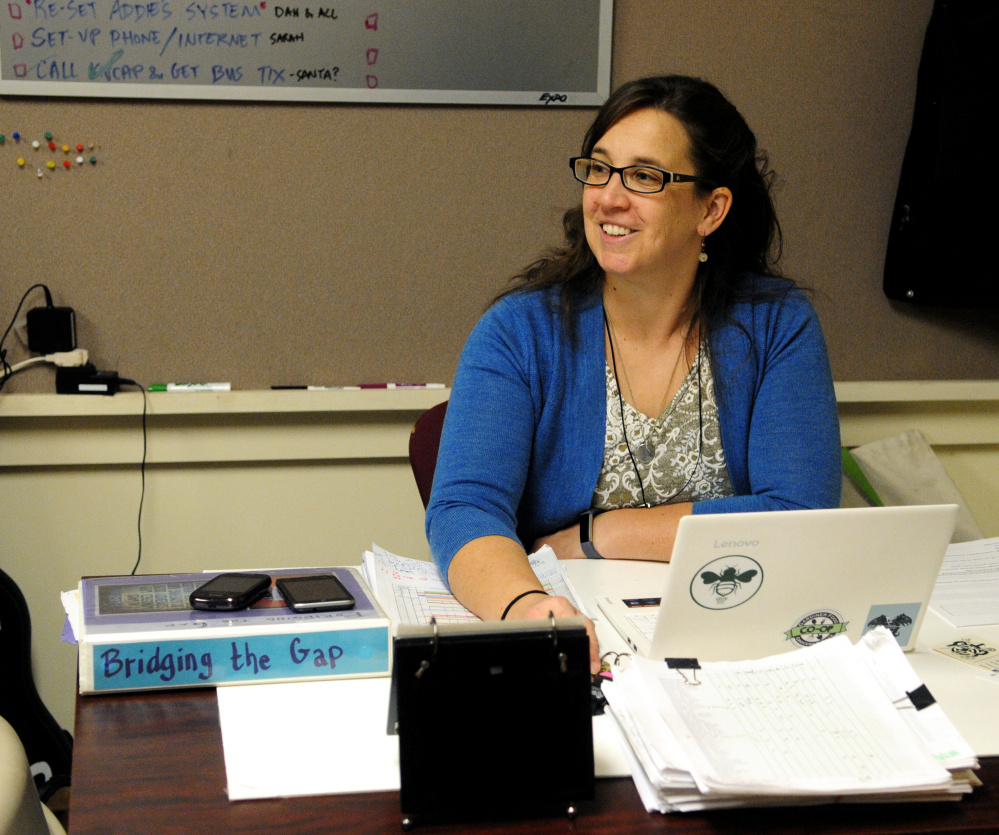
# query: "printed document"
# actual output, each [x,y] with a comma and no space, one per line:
[412,591]
[967,589]
[833,722]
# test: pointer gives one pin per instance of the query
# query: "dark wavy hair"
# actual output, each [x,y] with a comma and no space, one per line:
[725,152]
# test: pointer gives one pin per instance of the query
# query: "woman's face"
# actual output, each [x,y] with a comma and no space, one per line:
[645,236]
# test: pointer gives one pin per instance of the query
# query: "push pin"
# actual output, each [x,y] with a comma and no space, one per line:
[20,162]
[65,149]
[36,144]
[52,146]
[93,160]
[50,164]
[79,147]
[66,163]
[79,160]
[3,139]
[48,134]
[16,136]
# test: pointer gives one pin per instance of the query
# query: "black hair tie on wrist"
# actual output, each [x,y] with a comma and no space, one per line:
[509,605]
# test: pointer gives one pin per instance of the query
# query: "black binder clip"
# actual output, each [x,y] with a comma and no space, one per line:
[472,689]
[921,697]
[681,664]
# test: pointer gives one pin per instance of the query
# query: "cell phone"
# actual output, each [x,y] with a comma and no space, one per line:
[230,591]
[314,593]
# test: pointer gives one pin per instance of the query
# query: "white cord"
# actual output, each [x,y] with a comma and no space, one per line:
[18,366]
[63,359]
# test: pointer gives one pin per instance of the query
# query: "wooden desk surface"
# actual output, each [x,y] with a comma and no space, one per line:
[152,763]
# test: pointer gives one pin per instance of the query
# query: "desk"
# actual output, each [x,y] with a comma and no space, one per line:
[152,763]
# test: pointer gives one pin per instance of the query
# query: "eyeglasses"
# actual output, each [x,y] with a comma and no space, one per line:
[642,179]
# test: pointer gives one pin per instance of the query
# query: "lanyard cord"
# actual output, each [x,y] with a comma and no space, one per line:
[624,426]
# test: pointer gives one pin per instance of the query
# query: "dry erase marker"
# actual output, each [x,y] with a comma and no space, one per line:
[402,385]
[178,387]
[315,388]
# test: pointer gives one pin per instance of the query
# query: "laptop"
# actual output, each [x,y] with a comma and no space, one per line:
[748,585]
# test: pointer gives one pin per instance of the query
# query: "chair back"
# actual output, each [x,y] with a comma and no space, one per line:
[48,746]
[21,811]
[424,442]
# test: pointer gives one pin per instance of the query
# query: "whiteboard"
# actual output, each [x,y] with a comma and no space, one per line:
[492,52]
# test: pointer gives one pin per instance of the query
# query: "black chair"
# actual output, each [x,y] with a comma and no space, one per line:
[49,747]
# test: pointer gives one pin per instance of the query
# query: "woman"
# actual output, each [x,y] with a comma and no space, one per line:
[652,367]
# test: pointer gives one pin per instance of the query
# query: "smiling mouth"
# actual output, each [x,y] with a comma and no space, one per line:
[615,231]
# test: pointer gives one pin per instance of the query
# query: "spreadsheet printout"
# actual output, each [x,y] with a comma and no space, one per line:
[798,722]
[412,591]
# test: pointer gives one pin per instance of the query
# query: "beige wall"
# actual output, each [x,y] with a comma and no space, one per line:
[258,479]
[275,243]
[249,480]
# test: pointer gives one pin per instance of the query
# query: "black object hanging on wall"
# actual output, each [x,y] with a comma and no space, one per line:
[940,248]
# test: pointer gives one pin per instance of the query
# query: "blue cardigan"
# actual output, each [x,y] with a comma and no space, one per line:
[523,439]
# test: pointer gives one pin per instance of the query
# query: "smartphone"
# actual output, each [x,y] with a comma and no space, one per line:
[314,593]
[230,591]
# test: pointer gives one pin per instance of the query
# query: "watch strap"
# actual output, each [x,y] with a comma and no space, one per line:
[586,535]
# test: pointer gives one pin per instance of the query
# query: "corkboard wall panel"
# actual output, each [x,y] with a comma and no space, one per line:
[333,244]
[272,244]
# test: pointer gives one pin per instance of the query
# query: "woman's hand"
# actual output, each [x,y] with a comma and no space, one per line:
[543,606]
[489,572]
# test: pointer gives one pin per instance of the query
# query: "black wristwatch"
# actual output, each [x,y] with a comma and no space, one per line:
[586,535]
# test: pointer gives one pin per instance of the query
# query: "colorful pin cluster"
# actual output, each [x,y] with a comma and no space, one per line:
[47,147]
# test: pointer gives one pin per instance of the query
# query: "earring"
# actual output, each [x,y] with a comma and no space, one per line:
[703,256]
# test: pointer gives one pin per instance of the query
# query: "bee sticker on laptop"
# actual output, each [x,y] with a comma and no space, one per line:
[726,582]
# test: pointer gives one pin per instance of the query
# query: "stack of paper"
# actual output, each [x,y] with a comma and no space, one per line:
[412,591]
[830,723]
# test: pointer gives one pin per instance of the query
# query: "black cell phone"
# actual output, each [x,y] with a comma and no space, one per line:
[314,593]
[230,591]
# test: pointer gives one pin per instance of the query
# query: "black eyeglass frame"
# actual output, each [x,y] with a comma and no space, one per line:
[668,176]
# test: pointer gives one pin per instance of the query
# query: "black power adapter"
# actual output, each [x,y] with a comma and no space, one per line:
[86,379]
[51,329]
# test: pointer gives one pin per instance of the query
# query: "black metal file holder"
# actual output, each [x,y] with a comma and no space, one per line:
[494,719]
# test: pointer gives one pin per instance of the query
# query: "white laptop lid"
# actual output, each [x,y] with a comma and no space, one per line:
[748,585]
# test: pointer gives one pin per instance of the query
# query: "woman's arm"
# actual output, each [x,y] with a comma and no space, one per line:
[489,572]
[780,429]
[634,533]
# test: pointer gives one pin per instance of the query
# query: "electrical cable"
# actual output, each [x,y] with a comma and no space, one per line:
[13,369]
[76,358]
[142,466]
[62,359]
[5,368]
